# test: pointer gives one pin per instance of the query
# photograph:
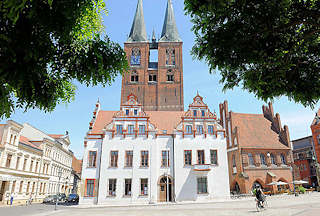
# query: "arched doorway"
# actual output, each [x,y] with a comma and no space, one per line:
[236,188]
[165,189]
[256,184]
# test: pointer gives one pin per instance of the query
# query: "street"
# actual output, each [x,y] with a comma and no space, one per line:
[283,205]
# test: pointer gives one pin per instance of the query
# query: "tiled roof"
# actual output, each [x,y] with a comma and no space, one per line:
[56,136]
[255,131]
[76,165]
[103,118]
[26,141]
[165,120]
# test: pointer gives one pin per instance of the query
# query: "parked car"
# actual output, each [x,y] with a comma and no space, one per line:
[50,199]
[73,198]
[62,197]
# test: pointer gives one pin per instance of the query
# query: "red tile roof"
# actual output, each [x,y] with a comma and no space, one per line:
[56,136]
[165,120]
[255,131]
[162,120]
[26,141]
[76,165]
[103,118]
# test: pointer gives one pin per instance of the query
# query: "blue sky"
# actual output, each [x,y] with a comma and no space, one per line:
[75,117]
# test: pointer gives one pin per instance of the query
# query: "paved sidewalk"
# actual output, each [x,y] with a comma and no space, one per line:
[284,205]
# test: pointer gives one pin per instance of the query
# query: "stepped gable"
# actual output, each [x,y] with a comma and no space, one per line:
[316,119]
[262,131]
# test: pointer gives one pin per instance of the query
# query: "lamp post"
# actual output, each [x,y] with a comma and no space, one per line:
[59,175]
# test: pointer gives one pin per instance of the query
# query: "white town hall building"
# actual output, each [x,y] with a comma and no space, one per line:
[151,150]
[136,156]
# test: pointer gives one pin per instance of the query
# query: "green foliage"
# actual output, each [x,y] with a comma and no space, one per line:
[269,47]
[47,44]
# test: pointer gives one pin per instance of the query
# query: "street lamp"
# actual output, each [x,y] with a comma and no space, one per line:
[59,175]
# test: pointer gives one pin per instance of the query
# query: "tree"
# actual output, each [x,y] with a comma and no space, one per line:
[269,47]
[45,45]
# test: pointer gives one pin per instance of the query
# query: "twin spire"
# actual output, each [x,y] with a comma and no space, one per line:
[169,30]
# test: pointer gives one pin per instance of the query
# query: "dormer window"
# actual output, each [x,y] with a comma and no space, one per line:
[119,129]
[135,112]
[203,113]
[189,129]
[199,129]
[127,112]
[194,112]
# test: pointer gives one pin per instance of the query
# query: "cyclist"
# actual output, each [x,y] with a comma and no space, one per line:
[260,196]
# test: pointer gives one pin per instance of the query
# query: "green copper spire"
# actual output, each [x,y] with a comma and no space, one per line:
[138,30]
[169,30]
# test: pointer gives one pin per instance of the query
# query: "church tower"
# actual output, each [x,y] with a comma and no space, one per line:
[156,69]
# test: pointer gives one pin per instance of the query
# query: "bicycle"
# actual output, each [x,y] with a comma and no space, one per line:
[261,205]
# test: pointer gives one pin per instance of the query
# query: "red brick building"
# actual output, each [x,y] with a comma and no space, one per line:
[315,129]
[156,68]
[259,149]
[304,159]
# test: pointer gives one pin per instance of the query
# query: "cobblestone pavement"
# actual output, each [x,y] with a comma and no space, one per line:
[303,205]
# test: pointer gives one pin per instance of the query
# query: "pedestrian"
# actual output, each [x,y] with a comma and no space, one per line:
[11,199]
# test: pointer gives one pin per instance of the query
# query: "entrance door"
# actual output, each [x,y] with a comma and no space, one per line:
[165,189]
[3,185]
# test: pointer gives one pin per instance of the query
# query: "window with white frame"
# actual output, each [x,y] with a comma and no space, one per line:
[142,129]
[202,185]
[119,129]
[199,129]
[210,129]
[189,129]
[112,187]
[127,187]
[130,129]
[144,186]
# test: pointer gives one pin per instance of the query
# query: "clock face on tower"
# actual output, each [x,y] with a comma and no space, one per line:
[135,56]
[135,60]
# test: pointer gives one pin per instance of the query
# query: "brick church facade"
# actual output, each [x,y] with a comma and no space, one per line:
[158,83]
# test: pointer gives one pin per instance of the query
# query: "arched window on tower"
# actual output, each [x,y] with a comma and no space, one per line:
[170,56]
[135,56]
[134,76]
[173,57]
[170,77]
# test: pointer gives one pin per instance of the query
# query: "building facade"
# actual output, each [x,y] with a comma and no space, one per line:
[156,67]
[304,159]
[30,163]
[315,129]
[137,156]
[259,149]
